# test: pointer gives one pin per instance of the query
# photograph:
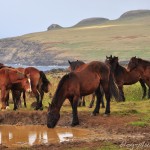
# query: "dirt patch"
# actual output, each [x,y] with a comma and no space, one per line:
[114,129]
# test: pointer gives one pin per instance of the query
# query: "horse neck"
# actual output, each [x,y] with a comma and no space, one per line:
[143,64]
[17,85]
[58,99]
[15,76]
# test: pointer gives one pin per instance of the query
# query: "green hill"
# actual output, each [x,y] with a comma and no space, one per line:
[122,37]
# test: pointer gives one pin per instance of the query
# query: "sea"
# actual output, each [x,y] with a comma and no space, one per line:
[42,68]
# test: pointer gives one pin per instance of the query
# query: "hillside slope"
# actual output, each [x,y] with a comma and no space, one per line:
[121,37]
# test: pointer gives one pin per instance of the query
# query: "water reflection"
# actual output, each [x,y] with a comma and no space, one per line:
[30,135]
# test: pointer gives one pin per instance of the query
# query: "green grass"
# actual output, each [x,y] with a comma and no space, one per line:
[139,124]
[133,105]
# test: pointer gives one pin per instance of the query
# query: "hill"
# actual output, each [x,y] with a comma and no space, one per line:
[135,14]
[120,37]
[91,21]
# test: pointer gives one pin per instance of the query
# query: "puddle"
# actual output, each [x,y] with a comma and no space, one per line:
[16,136]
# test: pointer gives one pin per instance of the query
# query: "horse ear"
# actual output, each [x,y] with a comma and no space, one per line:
[69,62]
[110,56]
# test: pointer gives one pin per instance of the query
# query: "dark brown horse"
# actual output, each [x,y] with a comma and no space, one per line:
[78,66]
[39,85]
[76,84]
[124,77]
[142,68]
[9,77]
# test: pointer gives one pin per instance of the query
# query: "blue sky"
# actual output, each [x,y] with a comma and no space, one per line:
[18,17]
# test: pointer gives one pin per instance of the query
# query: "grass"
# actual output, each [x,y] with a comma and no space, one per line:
[139,124]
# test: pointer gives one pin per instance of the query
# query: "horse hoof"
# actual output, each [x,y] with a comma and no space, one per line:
[41,108]
[75,124]
[106,115]
[7,107]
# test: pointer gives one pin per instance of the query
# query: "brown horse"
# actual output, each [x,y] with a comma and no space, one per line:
[78,66]
[39,85]
[76,84]
[142,68]
[10,77]
[123,76]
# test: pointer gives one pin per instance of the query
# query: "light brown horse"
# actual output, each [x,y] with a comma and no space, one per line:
[76,84]
[39,85]
[8,77]
[142,67]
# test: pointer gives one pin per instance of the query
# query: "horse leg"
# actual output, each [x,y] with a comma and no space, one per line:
[149,93]
[83,101]
[3,94]
[75,120]
[99,98]
[40,102]
[38,97]
[92,101]
[102,100]
[7,99]
[121,93]
[14,95]
[106,89]
[80,101]
[24,99]
[143,88]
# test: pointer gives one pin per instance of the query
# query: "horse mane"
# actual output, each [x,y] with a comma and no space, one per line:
[60,84]
[145,62]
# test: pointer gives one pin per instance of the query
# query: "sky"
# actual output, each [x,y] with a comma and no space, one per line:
[19,17]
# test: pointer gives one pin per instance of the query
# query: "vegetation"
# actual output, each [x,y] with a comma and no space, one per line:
[125,37]
[134,105]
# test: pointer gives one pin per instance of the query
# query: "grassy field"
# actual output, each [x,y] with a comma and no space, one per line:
[133,105]
[123,38]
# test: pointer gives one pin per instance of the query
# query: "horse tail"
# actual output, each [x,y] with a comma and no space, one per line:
[45,81]
[113,87]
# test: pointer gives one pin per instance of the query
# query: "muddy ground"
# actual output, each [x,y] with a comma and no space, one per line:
[113,129]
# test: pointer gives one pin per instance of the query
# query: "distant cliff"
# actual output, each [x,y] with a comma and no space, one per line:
[124,36]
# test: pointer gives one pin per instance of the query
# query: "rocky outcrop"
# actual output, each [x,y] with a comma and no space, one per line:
[54,27]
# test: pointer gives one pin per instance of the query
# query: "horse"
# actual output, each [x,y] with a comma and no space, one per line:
[142,68]
[39,85]
[78,66]
[9,77]
[76,84]
[123,76]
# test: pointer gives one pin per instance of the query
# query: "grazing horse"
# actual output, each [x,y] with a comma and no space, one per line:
[39,85]
[123,76]
[8,77]
[78,66]
[142,67]
[76,84]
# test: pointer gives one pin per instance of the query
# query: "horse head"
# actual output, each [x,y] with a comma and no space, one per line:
[112,62]
[53,116]
[26,83]
[133,63]
[75,64]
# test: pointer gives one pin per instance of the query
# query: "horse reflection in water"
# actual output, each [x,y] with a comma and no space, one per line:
[33,135]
